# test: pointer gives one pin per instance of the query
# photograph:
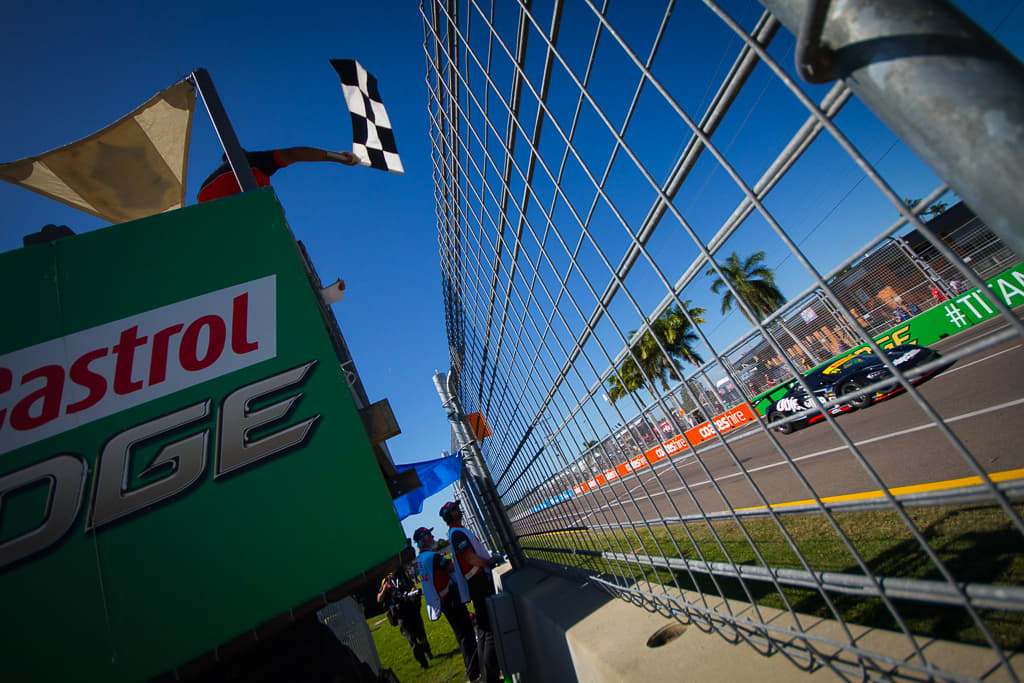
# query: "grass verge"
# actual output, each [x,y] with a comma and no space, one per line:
[395,653]
[977,543]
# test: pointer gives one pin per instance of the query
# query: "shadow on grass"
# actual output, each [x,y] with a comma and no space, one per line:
[984,556]
[395,654]
[977,545]
[972,555]
[448,655]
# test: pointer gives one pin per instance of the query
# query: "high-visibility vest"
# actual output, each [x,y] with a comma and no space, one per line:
[478,548]
[425,567]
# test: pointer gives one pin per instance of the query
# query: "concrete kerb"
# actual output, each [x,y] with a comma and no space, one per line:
[576,631]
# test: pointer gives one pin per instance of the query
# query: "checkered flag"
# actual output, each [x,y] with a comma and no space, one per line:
[373,142]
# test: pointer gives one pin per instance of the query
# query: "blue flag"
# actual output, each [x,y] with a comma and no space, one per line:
[434,476]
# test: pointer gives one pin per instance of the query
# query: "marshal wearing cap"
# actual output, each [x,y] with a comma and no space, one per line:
[421,533]
[447,509]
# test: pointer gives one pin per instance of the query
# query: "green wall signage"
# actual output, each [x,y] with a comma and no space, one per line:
[180,456]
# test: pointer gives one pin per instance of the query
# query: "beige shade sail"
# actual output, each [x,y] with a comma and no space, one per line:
[133,168]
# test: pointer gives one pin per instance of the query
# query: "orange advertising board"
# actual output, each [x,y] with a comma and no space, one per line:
[731,419]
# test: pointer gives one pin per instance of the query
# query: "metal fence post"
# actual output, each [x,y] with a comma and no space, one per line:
[889,56]
[491,507]
[470,493]
[233,151]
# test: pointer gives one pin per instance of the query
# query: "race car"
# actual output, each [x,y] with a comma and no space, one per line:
[845,377]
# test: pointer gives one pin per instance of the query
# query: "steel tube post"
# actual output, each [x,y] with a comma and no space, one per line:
[943,85]
[491,506]
[225,132]
[470,493]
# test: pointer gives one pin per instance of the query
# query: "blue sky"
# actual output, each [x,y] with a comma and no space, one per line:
[69,73]
[824,203]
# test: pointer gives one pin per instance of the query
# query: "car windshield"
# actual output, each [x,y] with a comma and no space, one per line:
[820,378]
[848,363]
[814,380]
[861,359]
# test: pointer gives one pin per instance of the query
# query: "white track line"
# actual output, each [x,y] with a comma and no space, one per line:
[827,451]
[681,462]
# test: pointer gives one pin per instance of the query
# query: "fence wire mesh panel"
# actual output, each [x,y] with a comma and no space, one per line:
[348,623]
[744,356]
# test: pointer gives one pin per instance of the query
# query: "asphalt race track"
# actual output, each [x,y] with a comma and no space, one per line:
[980,399]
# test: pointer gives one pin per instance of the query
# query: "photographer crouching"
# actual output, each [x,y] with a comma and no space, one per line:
[401,600]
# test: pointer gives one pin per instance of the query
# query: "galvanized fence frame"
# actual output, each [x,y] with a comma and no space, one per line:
[538,318]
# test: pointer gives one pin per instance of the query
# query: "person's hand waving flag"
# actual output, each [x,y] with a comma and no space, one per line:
[373,142]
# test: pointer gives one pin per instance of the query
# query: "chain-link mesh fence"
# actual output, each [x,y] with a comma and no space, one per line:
[653,238]
[347,622]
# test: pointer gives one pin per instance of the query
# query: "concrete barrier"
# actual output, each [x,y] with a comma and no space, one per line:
[573,631]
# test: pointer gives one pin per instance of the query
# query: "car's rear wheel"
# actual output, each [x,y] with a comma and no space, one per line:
[785,427]
[857,402]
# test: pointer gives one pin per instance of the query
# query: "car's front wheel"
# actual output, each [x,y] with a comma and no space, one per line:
[857,402]
[785,427]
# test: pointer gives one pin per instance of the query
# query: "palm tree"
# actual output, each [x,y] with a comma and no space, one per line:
[676,333]
[933,209]
[673,330]
[753,282]
[628,380]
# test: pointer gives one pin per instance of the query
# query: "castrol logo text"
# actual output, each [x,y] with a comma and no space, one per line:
[63,383]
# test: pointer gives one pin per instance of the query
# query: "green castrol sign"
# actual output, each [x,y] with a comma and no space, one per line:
[180,456]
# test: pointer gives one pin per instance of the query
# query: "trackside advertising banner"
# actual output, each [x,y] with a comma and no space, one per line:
[948,318]
[730,419]
[180,457]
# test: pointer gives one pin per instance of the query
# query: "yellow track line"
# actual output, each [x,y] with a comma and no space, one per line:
[1008,475]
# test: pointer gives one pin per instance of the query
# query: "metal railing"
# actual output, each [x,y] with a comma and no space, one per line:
[646,222]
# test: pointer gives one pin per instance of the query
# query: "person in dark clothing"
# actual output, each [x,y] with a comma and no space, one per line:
[473,568]
[444,596]
[222,182]
[401,599]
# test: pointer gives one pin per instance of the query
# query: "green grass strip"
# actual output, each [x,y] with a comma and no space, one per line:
[977,543]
